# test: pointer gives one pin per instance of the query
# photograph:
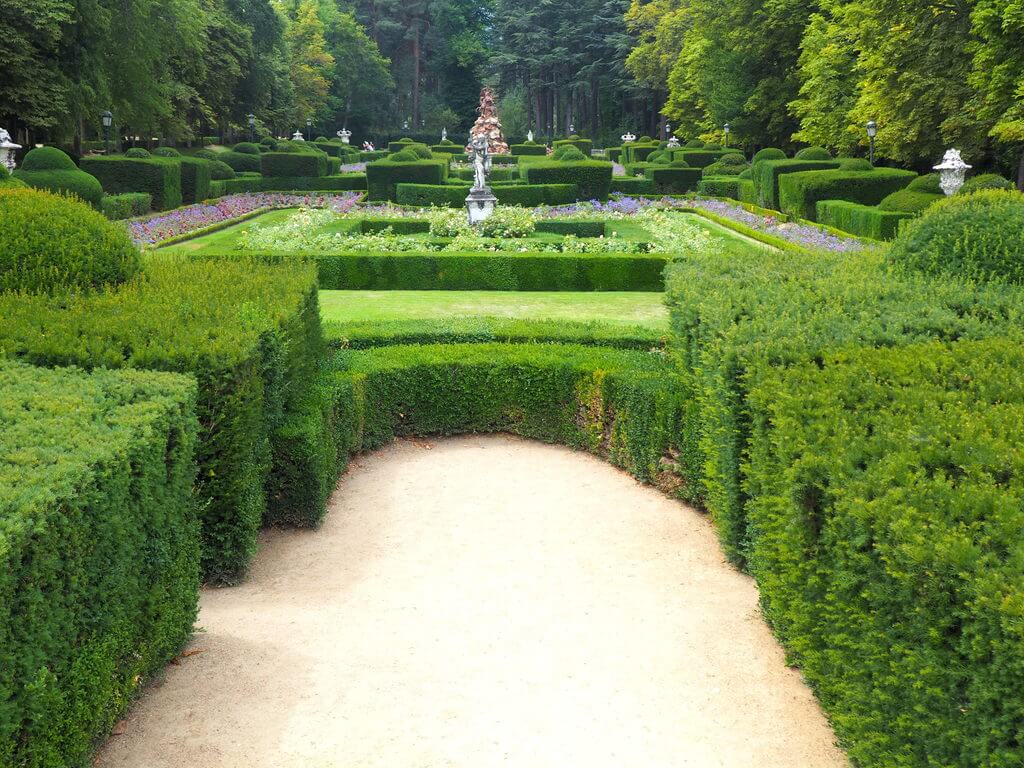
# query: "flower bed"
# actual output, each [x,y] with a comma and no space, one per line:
[193,218]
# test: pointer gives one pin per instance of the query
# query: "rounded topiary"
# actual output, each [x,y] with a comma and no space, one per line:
[909,201]
[53,244]
[656,155]
[207,154]
[644,140]
[727,165]
[813,153]
[219,170]
[574,137]
[247,148]
[985,181]
[930,182]
[9,182]
[138,152]
[567,153]
[664,158]
[447,143]
[694,144]
[854,164]
[268,142]
[714,147]
[680,163]
[405,156]
[166,152]
[321,138]
[51,169]
[976,236]
[422,151]
[769,153]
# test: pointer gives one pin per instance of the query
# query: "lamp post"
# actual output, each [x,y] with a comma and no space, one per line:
[668,130]
[872,129]
[107,118]
[725,130]
[252,127]
[309,129]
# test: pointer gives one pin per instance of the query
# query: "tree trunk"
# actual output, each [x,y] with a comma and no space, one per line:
[1020,172]
[416,79]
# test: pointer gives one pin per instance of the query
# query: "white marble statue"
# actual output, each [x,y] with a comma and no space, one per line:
[7,148]
[481,160]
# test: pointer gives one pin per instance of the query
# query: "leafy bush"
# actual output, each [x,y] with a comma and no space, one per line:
[404,156]
[637,151]
[207,154]
[422,151]
[592,178]
[49,244]
[919,194]
[159,177]
[383,176]
[694,144]
[768,153]
[127,205]
[985,181]
[568,153]
[242,161]
[99,564]
[248,333]
[854,164]
[700,158]
[860,220]
[219,170]
[246,148]
[50,169]
[398,146]
[507,221]
[813,153]
[766,173]
[137,152]
[727,165]
[294,164]
[165,152]
[976,236]
[719,186]
[799,193]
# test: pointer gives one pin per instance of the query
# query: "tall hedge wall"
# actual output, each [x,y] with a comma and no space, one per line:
[158,177]
[765,175]
[673,181]
[383,176]
[305,164]
[592,177]
[195,179]
[799,193]
[249,333]
[99,544]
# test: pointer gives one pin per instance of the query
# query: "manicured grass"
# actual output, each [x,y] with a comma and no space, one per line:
[633,309]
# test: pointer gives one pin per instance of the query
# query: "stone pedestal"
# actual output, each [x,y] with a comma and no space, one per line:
[480,204]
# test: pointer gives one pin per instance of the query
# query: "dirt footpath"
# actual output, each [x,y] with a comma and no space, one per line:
[477,602]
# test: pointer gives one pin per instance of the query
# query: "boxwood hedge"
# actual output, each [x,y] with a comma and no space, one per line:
[99,543]
[384,176]
[455,195]
[51,169]
[158,177]
[765,175]
[592,177]
[861,220]
[293,164]
[800,192]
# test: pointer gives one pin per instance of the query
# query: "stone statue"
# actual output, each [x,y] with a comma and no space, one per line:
[529,135]
[481,160]
[345,135]
[7,148]
[444,134]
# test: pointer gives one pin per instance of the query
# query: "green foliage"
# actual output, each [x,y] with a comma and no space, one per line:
[700,158]
[248,333]
[242,162]
[455,196]
[50,169]
[126,205]
[919,194]
[160,178]
[799,193]
[403,156]
[138,152]
[719,186]
[351,181]
[307,164]
[422,151]
[383,176]
[861,220]
[766,173]
[727,165]
[583,145]
[628,185]
[694,144]
[885,515]
[49,244]
[593,178]
[528,149]
[985,181]
[813,153]
[854,164]
[165,152]
[195,179]
[673,181]
[99,565]
[219,170]
[975,236]
[768,153]
[568,153]
[247,148]
[637,151]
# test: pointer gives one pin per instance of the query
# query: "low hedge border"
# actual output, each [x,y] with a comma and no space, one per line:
[861,220]
[99,569]
[439,195]
[338,183]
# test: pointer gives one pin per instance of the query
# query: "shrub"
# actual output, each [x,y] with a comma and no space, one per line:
[195,179]
[592,177]
[49,244]
[860,220]
[909,201]
[449,148]
[694,144]
[628,185]
[127,205]
[165,152]
[207,154]
[583,145]
[246,148]
[799,193]
[813,153]
[719,186]
[398,146]
[346,182]
[455,196]
[727,165]
[99,565]
[159,177]
[242,161]
[930,183]
[673,181]
[976,236]
[309,164]
[765,175]
[574,227]
[248,333]
[700,158]
[854,164]
[768,153]
[404,156]
[383,176]
[528,149]
[507,222]
[51,169]
[985,181]
[421,151]
[220,170]
[137,152]
[637,151]
[568,154]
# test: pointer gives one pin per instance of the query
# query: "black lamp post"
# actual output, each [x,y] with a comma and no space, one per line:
[725,130]
[872,129]
[309,129]
[668,130]
[252,127]
[107,118]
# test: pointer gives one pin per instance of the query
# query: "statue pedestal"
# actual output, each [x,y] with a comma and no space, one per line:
[480,204]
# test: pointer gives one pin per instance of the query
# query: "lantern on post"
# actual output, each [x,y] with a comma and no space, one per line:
[252,127]
[872,129]
[725,130]
[107,118]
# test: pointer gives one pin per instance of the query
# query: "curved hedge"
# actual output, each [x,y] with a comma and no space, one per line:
[799,193]
[50,169]
[50,244]
[99,568]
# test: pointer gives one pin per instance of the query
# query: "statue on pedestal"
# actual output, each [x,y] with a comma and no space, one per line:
[7,148]
[488,124]
[481,159]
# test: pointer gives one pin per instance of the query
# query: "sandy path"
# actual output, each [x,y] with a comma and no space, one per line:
[477,602]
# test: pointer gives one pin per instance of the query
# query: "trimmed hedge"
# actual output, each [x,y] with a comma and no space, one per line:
[127,205]
[384,176]
[339,183]
[700,158]
[592,177]
[159,177]
[621,405]
[583,145]
[637,152]
[673,181]
[577,227]
[528,149]
[447,149]
[800,192]
[765,175]
[99,569]
[918,195]
[813,153]
[720,186]
[885,516]
[497,174]
[628,185]
[861,220]
[292,164]
[241,162]
[249,333]
[195,179]
[50,169]
[53,244]
[441,195]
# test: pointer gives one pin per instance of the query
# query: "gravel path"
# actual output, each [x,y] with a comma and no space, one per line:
[477,602]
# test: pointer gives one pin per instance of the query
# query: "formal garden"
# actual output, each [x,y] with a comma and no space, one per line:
[815,343]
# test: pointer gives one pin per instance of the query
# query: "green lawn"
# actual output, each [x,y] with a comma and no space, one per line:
[627,309]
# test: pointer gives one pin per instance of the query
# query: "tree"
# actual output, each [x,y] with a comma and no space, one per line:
[311,65]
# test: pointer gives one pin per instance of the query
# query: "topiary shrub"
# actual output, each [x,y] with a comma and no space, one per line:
[246,148]
[568,153]
[930,183]
[592,177]
[219,170]
[919,195]
[854,164]
[196,174]
[799,193]
[166,152]
[160,177]
[977,236]
[9,182]
[713,147]
[644,140]
[768,153]
[727,165]
[422,151]
[405,156]
[747,173]
[694,144]
[985,181]
[813,153]
[138,152]
[51,169]
[49,244]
